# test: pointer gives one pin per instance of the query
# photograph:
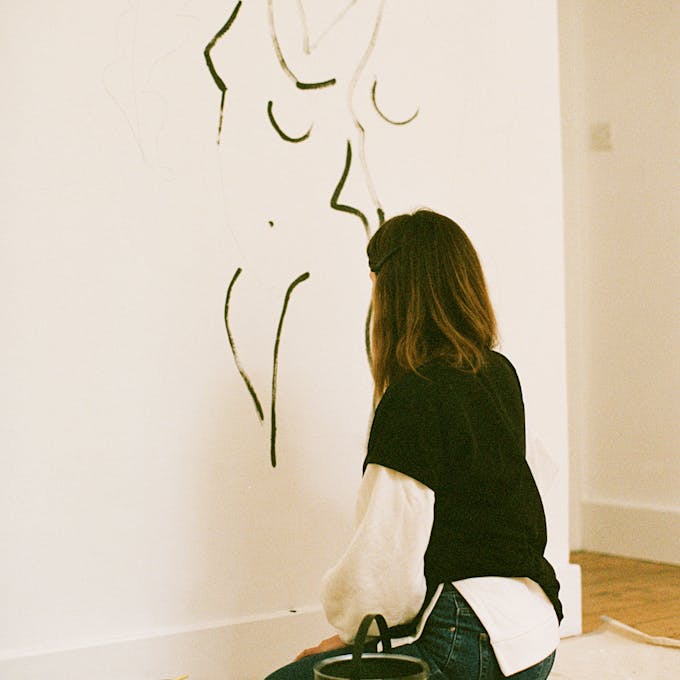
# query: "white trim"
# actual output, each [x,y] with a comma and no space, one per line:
[166,631]
[245,649]
[637,531]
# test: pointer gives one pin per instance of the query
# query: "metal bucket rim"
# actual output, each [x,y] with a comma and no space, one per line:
[319,666]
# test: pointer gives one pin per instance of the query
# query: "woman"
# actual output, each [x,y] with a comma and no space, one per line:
[450,526]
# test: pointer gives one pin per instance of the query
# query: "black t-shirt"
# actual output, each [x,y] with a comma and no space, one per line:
[462,435]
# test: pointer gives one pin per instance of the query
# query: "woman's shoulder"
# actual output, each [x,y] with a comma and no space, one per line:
[441,370]
[408,388]
[502,364]
[421,389]
[439,375]
[499,358]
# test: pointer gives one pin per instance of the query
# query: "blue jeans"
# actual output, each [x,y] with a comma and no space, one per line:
[454,644]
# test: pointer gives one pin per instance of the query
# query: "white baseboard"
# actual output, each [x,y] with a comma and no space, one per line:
[242,650]
[236,651]
[632,531]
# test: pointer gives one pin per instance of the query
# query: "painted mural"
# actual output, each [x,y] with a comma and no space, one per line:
[342,79]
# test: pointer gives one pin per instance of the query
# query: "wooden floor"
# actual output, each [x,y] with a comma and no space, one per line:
[645,595]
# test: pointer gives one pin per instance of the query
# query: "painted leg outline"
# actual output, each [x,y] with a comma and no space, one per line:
[286,300]
[232,344]
[275,367]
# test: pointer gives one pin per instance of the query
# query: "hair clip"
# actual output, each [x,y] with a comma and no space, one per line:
[375,268]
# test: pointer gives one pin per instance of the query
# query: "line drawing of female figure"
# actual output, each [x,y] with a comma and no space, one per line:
[322,54]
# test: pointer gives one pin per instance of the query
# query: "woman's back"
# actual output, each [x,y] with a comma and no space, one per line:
[462,435]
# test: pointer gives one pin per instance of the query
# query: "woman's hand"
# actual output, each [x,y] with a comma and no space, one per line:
[327,645]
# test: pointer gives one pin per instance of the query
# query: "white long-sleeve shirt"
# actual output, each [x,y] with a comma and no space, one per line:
[383,571]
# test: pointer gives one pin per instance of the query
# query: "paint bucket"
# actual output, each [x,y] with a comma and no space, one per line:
[360,666]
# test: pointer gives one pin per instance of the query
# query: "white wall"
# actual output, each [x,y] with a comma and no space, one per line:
[621,68]
[138,500]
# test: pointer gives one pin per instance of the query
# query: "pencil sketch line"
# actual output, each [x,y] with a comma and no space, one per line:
[282,61]
[232,344]
[383,116]
[280,132]
[310,47]
[211,66]
[181,12]
[286,300]
[338,190]
[134,126]
[132,71]
[305,27]
[277,46]
[150,91]
[350,98]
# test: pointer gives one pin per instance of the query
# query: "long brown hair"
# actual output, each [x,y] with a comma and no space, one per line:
[430,299]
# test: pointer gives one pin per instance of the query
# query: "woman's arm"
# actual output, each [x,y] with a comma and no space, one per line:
[327,645]
[382,570]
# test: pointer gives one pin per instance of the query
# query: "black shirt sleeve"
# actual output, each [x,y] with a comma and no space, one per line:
[406,431]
